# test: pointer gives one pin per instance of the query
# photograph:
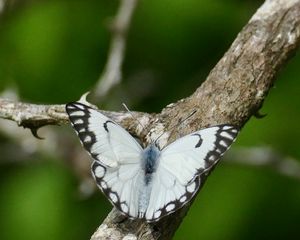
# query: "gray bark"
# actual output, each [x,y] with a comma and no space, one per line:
[233,92]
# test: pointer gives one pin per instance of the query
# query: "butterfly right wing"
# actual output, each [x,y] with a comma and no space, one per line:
[117,156]
[182,166]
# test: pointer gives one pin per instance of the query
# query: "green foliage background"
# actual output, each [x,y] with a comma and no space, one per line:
[54,51]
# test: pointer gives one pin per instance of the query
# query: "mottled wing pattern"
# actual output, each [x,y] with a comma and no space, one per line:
[117,155]
[181,165]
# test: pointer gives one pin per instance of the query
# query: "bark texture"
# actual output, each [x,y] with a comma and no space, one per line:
[234,91]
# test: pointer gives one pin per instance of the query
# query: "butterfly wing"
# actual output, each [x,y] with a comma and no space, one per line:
[181,165]
[104,139]
[120,185]
[117,168]
[117,155]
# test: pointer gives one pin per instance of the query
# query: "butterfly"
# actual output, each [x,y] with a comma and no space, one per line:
[147,183]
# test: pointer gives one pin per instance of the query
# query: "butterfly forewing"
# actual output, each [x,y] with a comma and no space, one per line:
[104,139]
[197,152]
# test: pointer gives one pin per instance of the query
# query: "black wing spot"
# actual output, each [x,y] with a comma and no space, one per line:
[105,124]
[199,143]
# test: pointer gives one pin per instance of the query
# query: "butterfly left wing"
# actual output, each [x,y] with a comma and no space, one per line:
[181,164]
[117,156]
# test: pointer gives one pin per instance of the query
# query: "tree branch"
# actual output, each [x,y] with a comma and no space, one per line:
[112,74]
[234,90]
[34,116]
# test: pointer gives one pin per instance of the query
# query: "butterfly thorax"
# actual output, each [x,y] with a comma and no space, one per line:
[150,161]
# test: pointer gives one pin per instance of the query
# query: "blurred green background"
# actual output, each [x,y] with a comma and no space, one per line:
[54,51]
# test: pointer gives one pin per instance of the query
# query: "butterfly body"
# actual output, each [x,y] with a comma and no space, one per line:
[149,163]
[147,183]
[150,160]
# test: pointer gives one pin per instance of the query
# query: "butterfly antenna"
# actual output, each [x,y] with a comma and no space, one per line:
[127,109]
[172,128]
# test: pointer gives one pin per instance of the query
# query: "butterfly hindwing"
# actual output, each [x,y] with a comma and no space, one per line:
[182,165]
[119,186]
[168,195]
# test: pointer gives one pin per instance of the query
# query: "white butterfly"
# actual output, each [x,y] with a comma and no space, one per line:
[147,183]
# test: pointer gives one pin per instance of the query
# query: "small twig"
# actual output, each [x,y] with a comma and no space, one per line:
[265,157]
[112,73]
